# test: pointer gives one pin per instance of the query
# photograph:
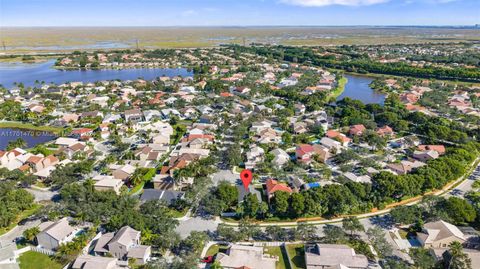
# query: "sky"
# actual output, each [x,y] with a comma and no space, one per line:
[237,12]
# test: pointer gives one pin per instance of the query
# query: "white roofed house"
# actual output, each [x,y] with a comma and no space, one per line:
[95,262]
[327,256]
[123,245]
[280,157]
[152,114]
[254,156]
[12,159]
[133,115]
[440,234]
[161,139]
[261,125]
[425,155]
[123,172]
[53,234]
[107,183]
[331,144]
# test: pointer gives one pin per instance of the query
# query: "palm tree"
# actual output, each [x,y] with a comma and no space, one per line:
[31,233]
[136,178]
[456,258]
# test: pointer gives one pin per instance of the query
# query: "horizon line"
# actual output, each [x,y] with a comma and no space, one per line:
[237,26]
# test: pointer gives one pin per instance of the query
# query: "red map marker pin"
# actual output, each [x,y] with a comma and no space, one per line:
[246,177]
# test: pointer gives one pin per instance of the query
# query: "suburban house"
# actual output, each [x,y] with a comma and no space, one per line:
[152,114]
[404,167]
[53,234]
[239,256]
[343,139]
[123,172]
[438,148]
[357,130]
[305,153]
[473,254]
[440,234]
[280,157]
[385,131]
[162,139]
[123,245]
[87,261]
[107,183]
[242,192]
[323,256]
[424,156]
[167,196]
[254,156]
[331,145]
[133,115]
[82,132]
[274,186]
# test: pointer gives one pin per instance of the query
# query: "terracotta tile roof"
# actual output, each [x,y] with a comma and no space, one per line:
[34,159]
[226,94]
[77,146]
[303,149]
[201,136]
[385,130]
[82,131]
[274,186]
[52,158]
[357,129]
[24,168]
[438,148]
[335,134]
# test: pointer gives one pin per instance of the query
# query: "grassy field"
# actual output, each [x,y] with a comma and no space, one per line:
[296,253]
[282,262]
[62,39]
[24,214]
[29,126]
[339,90]
[35,260]
[214,249]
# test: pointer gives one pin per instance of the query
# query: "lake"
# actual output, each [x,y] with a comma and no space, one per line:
[28,73]
[30,136]
[357,88]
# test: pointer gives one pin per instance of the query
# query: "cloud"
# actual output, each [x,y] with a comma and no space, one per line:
[321,3]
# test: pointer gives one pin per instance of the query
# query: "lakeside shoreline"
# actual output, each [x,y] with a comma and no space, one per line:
[31,127]
[338,90]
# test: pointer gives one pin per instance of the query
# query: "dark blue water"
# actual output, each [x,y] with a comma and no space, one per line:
[31,137]
[357,88]
[28,73]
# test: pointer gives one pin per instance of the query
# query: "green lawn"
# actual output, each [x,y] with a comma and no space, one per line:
[35,260]
[214,249]
[137,189]
[178,214]
[29,126]
[282,262]
[296,253]
[339,90]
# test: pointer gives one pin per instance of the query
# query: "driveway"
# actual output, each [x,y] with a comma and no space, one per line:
[466,185]
[42,195]
[196,224]
[17,231]
[225,175]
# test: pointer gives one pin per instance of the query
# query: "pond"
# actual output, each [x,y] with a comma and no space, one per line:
[30,136]
[358,88]
[29,73]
